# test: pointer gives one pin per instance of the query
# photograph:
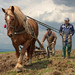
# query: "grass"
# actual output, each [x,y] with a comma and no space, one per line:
[10,73]
[6,52]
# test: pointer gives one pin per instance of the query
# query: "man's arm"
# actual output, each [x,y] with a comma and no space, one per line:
[72,29]
[55,37]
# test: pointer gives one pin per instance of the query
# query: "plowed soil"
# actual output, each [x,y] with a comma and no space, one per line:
[55,65]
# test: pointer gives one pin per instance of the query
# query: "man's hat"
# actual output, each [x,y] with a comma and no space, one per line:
[66,19]
[48,29]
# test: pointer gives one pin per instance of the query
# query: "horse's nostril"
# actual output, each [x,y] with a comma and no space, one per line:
[10,35]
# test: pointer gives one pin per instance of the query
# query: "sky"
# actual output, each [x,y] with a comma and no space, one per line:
[51,12]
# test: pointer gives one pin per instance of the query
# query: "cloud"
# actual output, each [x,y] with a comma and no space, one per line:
[46,10]
[70,3]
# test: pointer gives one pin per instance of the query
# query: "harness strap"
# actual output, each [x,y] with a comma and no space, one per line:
[30,31]
[20,31]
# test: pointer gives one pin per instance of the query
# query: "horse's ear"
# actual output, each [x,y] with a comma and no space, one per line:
[12,8]
[3,10]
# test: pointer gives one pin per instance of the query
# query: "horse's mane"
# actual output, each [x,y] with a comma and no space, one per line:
[20,16]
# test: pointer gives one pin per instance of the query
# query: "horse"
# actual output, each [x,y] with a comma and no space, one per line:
[16,22]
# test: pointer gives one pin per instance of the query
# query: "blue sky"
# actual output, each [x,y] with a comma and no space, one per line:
[51,12]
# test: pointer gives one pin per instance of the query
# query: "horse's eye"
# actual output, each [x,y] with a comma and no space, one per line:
[6,14]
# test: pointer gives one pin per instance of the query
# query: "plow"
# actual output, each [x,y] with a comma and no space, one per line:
[44,53]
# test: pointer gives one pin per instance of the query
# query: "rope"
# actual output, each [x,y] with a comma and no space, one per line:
[45,25]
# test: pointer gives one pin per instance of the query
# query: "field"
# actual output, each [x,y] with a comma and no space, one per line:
[54,65]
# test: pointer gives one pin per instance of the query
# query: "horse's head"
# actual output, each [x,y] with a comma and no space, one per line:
[10,19]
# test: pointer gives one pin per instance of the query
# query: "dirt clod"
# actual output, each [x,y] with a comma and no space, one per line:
[57,73]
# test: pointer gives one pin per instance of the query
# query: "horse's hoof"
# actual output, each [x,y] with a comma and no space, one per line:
[18,70]
[19,67]
[29,63]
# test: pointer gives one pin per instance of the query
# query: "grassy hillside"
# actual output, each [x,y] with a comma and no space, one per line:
[55,65]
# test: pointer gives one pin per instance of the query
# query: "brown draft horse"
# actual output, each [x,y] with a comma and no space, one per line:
[16,22]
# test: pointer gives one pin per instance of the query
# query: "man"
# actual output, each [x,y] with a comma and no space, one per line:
[51,38]
[66,31]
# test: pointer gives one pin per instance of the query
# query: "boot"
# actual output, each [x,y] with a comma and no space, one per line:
[68,54]
[69,50]
[64,52]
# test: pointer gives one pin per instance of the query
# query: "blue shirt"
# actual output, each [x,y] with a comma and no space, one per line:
[66,30]
[69,29]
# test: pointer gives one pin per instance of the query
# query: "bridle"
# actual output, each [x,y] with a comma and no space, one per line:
[15,29]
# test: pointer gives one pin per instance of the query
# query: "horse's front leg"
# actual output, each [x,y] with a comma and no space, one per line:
[19,62]
[17,50]
[30,52]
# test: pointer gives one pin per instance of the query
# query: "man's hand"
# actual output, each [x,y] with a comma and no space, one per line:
[42,43]
[71,35]
[60,34]
[53,43]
